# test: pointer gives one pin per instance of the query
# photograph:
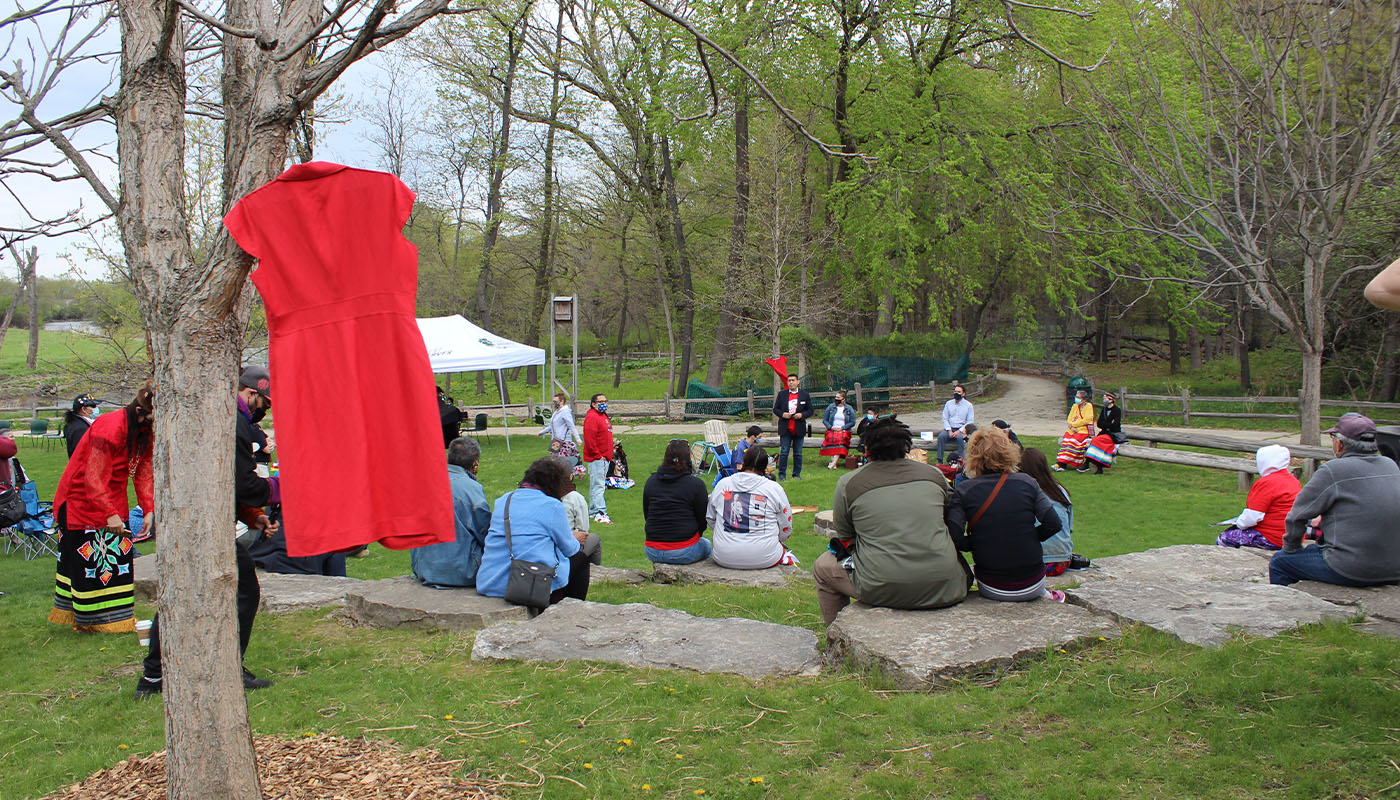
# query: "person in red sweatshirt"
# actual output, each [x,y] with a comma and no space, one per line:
[597,452]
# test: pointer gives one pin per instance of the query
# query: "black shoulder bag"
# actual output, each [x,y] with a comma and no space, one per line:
[528,582]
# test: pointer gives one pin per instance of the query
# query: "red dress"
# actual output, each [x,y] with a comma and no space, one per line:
[358,435]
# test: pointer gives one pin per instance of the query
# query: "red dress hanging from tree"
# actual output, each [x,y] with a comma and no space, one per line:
[358,439]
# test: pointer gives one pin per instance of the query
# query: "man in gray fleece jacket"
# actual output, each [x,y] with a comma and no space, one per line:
[1357,495]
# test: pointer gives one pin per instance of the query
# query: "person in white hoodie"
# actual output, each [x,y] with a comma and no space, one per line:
[750,516]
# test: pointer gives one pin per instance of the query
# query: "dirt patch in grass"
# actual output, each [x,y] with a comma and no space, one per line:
[312,768]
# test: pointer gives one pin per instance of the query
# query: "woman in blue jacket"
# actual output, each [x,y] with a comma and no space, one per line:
[539,531]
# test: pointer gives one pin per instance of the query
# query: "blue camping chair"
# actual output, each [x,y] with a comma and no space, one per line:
[34,535]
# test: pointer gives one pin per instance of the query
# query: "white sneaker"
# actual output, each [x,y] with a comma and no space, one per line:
[602,518]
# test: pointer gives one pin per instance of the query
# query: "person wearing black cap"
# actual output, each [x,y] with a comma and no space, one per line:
[77,420]
[251,493]
[1352,503]
[1006,428]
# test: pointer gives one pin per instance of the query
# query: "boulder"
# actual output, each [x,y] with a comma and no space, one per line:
[1382,602]
[824,524]
[282,593]
[406,603]
[1197,562]
[1205,612]
[279,593]
[976,638]
[143,574]
[708,571]
[600,574]
[640,635]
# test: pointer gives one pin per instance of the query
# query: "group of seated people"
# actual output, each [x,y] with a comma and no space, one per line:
[1348,510]
[901,529]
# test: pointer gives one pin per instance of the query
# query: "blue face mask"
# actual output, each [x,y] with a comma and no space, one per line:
[603,407]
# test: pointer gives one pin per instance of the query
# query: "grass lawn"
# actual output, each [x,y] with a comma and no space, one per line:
[1306,715]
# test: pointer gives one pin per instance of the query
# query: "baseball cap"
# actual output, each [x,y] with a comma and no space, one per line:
[256,377]
[1355,426]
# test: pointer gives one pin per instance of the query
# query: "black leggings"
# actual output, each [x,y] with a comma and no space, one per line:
[577,587]
[248,597]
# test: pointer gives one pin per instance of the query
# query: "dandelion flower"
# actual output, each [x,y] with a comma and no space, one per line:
[447,716]
[586,765]
[524,741]
[121,747]
[620,749]
[646,787]
[679,756]
[758,779]
[698,792]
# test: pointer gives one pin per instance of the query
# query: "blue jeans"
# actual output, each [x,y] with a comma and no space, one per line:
[597,484]
[944,439]
[699,551]
[1308,564]
[791,441]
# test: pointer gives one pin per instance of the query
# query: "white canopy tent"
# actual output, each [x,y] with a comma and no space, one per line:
[455,344]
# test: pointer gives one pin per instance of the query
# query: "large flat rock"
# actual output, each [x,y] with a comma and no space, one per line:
[976,638]
[280,593]
[708,571]
[1206,612]
[640,635]
[1199,562]
[601,574]
[406,603]
[824,524]
[1382,602]
[143,574]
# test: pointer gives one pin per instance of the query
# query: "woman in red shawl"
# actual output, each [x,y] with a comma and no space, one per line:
[93,588]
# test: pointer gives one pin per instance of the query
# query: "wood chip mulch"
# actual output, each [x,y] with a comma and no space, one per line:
[311,768]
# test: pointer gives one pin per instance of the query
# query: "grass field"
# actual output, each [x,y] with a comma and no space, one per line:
[1306,715]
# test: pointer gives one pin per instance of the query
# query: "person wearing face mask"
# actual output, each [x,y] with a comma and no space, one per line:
[77,421]
[94,589]
[597,453]
[251,494]
[1080,429]
[957,415]
[840,420]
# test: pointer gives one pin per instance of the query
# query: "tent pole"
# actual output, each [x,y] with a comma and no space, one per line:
[505,418]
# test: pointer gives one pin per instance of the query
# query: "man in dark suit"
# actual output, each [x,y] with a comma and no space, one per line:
[792,408]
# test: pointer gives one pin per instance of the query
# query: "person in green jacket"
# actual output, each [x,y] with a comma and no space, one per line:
[891,512]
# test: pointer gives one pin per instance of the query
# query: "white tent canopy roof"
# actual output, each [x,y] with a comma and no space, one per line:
[455,344]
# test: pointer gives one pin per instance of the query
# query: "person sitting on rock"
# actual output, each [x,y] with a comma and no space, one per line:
[1352,502]
[674,503]
[454,564]
[1261,523]
[1058,551]
[577,507]
[751,517]
[539,532]
[1001,516]
[891,510]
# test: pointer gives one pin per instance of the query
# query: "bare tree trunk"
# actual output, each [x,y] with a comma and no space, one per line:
[734,284]
[626,287]
[544,269]
[14,303]
[1310,407]
[1173,349]
[495,204]
[685,304]
[1193,347]
[31,272]
[195,336]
